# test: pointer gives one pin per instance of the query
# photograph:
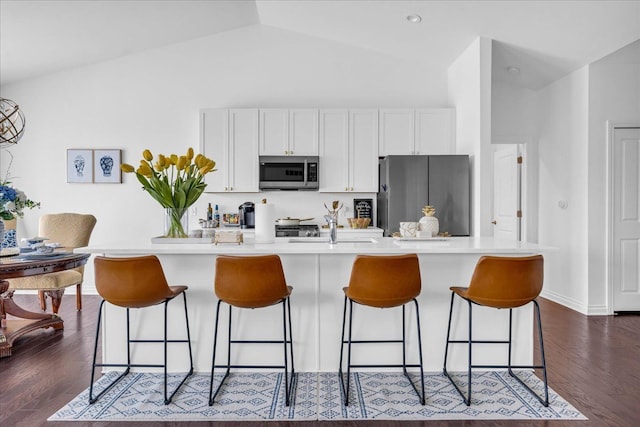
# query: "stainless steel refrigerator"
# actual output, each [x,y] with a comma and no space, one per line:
[408,183]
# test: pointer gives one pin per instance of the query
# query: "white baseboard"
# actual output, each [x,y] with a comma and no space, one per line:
[564,300]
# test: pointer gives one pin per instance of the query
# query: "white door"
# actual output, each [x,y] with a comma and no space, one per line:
[334,150]
[626,219]
[214,143]
[303,132]
[506,193]
[243,149]
[435,131]
[363,151]
[396,132]
[274,132]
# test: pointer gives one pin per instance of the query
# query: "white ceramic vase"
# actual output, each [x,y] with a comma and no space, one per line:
[429,224]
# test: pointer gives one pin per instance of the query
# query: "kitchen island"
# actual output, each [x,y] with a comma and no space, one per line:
[318,271]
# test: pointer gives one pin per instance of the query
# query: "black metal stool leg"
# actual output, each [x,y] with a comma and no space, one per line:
[291,381]
[287,338]
[467,400]
[213,395]
[344,320]
[93,399]
[167,400]
[284,343]
[544,401]
[421,396]
[346,395]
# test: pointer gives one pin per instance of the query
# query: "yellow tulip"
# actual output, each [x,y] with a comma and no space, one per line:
[127,168]
[204,170]
[182,162]
[157,166]
[190,153]
[162,160]
[147,155]
[173,159]
[199,160]
[145,170]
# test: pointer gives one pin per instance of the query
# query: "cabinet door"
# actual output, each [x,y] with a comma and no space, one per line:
[396,131]
[334,150]
[435,131]
[214,143]
[274,131]
[363,150]
[243,146]
[303,132]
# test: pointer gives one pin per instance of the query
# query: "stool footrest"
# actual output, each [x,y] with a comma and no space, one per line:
[259,342]
[477,342]
[371,341]
[385,366]
[250,366]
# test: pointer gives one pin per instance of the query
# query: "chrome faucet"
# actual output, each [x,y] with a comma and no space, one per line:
[332,220]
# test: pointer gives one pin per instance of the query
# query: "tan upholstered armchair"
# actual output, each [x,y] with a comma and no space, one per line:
[72,231]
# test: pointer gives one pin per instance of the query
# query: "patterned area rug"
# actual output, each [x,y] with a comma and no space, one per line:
[260,396]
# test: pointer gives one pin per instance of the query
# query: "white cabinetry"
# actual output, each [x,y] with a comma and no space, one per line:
[230,137]
[286,132]
[349,150]
[419,131]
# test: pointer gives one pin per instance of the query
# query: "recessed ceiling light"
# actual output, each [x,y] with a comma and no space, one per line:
[513,70]
[414,19]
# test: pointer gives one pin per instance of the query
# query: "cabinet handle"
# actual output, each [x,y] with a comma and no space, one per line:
[346,188]
[230,188]
[351,188]
[225,188]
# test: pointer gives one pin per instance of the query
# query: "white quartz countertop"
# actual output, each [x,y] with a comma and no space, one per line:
[320,245]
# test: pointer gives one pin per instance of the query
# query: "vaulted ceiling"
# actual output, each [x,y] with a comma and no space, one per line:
[544,39]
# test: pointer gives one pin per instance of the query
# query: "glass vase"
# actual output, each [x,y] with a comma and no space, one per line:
[176,222]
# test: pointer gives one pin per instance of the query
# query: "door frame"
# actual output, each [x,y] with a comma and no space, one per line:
[611,127]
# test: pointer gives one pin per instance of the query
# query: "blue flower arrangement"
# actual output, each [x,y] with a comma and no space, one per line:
[13,202]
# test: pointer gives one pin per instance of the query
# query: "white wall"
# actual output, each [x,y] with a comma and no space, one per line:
[563,173]
[614,94]
[470,92]
[152,99]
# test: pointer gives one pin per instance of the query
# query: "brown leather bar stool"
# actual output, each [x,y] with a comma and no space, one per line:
[382,282]
[253,282]
[136,282]
[502,283]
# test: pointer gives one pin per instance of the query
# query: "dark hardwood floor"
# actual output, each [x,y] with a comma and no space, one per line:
[594,363]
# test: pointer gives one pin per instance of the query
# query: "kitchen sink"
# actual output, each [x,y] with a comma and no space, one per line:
[326,240]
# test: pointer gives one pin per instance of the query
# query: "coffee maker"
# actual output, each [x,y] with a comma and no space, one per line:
[247,215]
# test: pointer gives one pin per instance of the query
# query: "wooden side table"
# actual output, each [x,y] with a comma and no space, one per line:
[24,321]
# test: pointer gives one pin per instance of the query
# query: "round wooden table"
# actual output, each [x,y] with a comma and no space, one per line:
[23,321]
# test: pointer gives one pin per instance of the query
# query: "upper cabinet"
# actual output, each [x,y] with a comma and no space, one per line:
[230,137]
[348,150]
[419,131]
[287,132]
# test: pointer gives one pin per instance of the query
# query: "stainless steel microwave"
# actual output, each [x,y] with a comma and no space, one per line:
[288,172]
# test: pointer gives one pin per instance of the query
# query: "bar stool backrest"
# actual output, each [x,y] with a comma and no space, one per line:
[250,281]
[506,282]
[385,281]
[131,282]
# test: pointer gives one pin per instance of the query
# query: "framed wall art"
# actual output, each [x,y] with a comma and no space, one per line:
[106,166]
[79,165]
